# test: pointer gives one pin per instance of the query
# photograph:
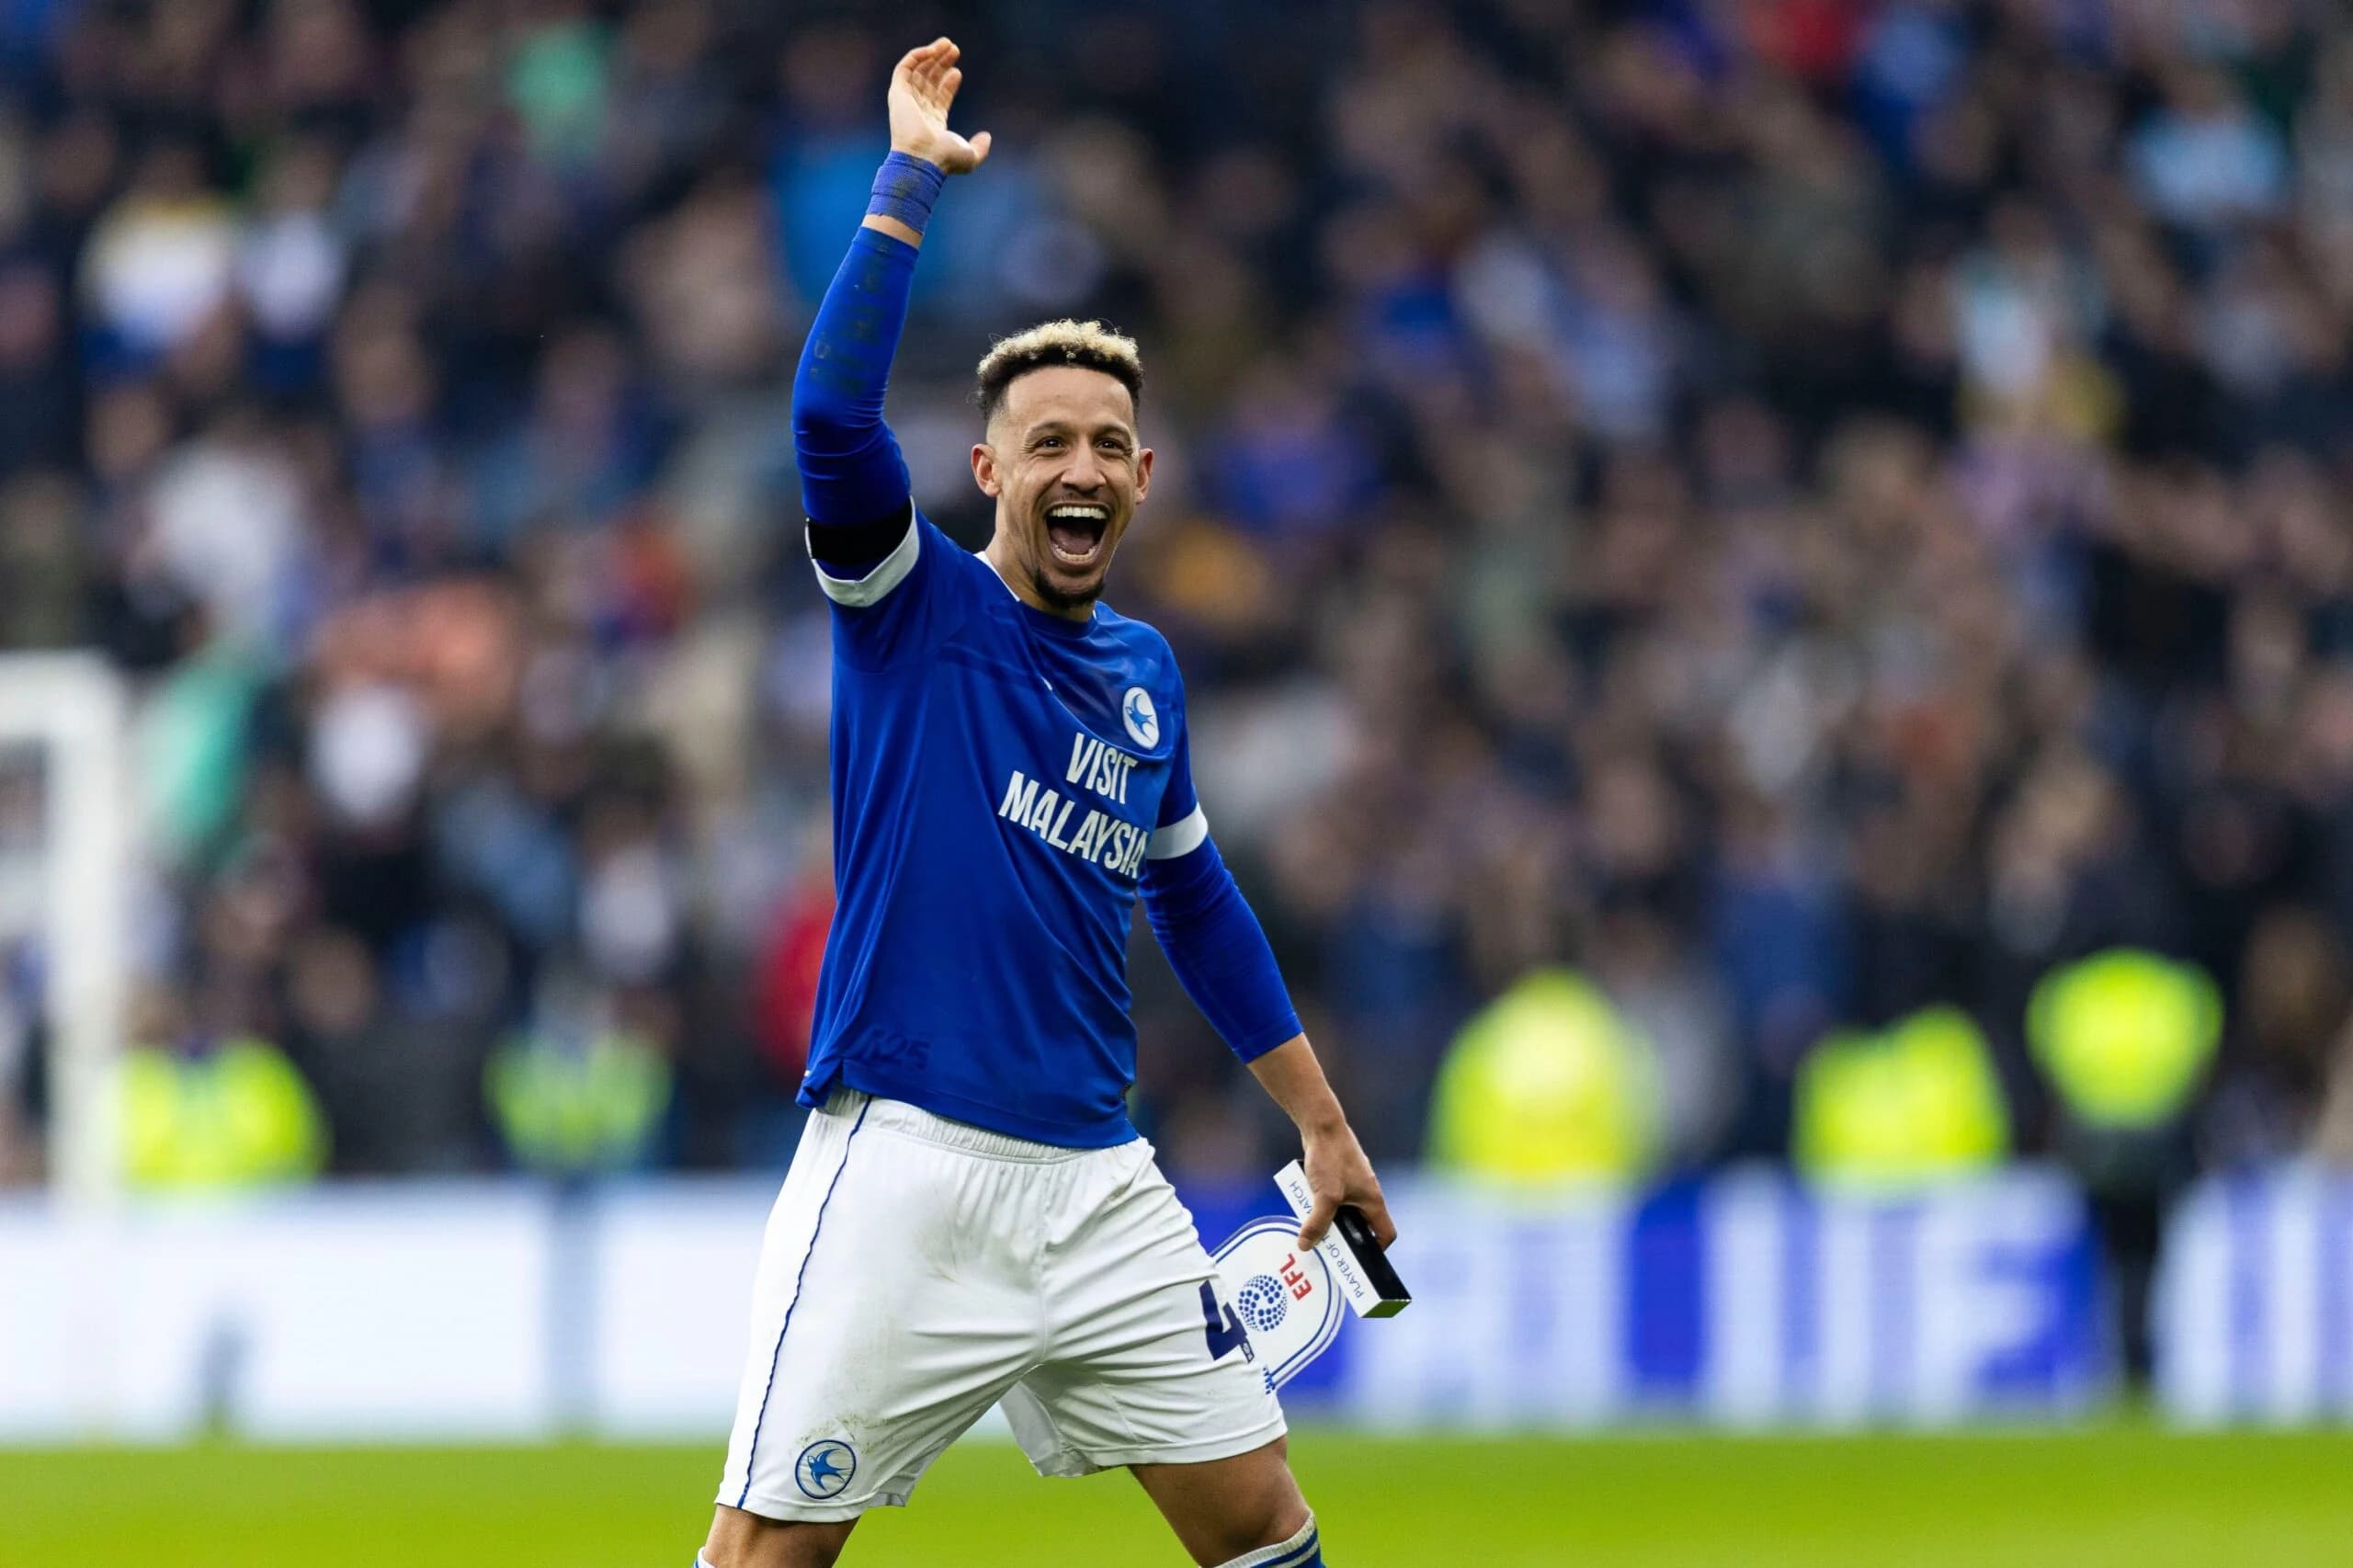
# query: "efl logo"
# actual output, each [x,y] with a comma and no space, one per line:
[1283,1297]
[1265,1299]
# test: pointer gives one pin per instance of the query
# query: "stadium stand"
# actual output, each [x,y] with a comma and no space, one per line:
[1802,512]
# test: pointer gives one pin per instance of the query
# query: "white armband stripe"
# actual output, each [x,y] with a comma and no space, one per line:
[858,593]
[1178,838]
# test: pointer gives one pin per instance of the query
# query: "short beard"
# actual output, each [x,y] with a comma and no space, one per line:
[1057,598]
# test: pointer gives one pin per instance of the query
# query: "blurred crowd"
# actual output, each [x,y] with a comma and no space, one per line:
[1799,510]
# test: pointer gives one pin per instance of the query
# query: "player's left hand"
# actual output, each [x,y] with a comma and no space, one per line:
[1337,1173]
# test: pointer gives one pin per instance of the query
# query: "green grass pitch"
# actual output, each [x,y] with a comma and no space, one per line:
[2123,1496]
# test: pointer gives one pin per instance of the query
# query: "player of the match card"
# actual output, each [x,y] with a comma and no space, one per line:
[1366,1281]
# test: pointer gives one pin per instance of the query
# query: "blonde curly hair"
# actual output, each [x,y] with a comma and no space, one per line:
[1088,343]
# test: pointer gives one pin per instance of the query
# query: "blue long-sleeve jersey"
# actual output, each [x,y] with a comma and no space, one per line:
[1005,780]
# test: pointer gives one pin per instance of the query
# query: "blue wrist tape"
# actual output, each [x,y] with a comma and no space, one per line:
[904,189]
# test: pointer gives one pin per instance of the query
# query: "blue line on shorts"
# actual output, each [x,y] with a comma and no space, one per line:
[776,1355]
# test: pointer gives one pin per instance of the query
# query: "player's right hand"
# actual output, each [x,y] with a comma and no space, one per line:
[922,87]
[1337,1173]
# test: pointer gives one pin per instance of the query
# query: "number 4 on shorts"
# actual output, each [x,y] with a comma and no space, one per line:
[1225,1331]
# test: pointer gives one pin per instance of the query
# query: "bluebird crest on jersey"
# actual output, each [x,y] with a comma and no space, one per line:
[1143,719]
[825,1467]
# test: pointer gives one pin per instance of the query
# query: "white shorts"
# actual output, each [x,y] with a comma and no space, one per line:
[918,1270]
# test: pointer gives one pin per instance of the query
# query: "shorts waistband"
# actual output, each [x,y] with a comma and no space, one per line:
[898,1115]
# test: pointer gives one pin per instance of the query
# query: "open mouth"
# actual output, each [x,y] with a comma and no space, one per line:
[1075,531]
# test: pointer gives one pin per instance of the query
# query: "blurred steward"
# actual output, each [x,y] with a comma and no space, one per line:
[2126,1038]
[584,1089]
[214,1112]
[1548,1084]
[1917,1103]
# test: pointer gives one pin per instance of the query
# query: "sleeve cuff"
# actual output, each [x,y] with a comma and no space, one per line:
[1257,1043]
[856,593]
[1180,837]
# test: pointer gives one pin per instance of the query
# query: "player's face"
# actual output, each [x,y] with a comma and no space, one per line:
[1066,470]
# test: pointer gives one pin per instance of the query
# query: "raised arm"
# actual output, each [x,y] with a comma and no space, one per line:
[853,481]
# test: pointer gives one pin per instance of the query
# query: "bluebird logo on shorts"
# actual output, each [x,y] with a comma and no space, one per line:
[1264,1301]
[825,1467]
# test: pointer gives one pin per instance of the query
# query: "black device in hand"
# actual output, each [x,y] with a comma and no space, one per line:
[1356,1233]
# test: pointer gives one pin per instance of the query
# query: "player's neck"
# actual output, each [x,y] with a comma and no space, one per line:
[998,555]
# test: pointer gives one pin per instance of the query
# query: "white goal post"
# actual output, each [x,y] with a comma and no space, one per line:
[74,709]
